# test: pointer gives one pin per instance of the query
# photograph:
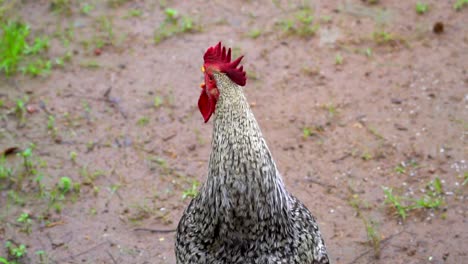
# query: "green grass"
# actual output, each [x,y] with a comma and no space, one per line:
[17,54]
[373,235]
[396,202]
[382,37]
[158,101]
[254,33]
[143,121]
[86,8]
[25,221]
[16,251]
[174,24]
[366,156]
[338,59]
[421,8]
[311,131]
[192,191]
[61,6]
[116,3]
[37,67]
[65,185]
[20,111]
[431,199]
[301,24]
[459,4]
[13,46]
[134,13]
[400,169]
[24,177]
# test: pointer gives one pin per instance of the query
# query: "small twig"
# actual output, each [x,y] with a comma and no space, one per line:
[43,106]
[169,137]
[346,155]
[154,230]
[325,185]
[114,102]
[84,252]
[112,257]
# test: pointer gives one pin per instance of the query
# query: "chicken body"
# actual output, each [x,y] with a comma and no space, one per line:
[243,212]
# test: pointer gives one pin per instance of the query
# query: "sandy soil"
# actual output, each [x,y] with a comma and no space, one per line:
[391,113]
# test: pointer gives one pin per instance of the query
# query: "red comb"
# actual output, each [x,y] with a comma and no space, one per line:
[217,57]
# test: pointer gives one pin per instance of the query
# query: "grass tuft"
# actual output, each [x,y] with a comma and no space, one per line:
[174,24]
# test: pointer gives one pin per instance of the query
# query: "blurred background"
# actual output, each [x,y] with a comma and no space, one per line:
[363,105]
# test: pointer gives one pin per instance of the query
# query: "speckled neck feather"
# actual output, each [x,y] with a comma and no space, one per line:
[243,213]
[242,180]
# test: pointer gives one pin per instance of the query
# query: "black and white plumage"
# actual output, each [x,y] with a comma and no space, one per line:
[243,212]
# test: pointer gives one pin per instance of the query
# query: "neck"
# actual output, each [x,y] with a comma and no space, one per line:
[242,179]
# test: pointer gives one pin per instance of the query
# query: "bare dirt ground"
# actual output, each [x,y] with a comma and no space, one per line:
[365,96]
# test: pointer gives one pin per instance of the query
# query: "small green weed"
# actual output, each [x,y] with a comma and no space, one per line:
[158,101]
[106,35]
[400,169]
[91,64]
[38,67]
[432,199]
[16,198]
[302,24]
[20,111]
[192,191]
[43,257]
[73,156]
[331,109]
[16,54]
[366,156]
[306,132]
[16,252]
[12,46]
[382,37]
[27,154]
[368,52]
[25,220]
[421,8]
[459,4]
[338,59]
[254,33]
[143,121]
[116,3]
[396,202]
[5,171]
[373,236]
[311,131]
[63,188]
[40,44]
[174,24]
[134,13]
[53,130]
[61,6]
[86,8]
[65,185]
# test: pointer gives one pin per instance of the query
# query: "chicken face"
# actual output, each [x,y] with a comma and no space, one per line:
[217,59]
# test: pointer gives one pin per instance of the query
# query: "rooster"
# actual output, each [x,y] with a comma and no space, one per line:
[243,212]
